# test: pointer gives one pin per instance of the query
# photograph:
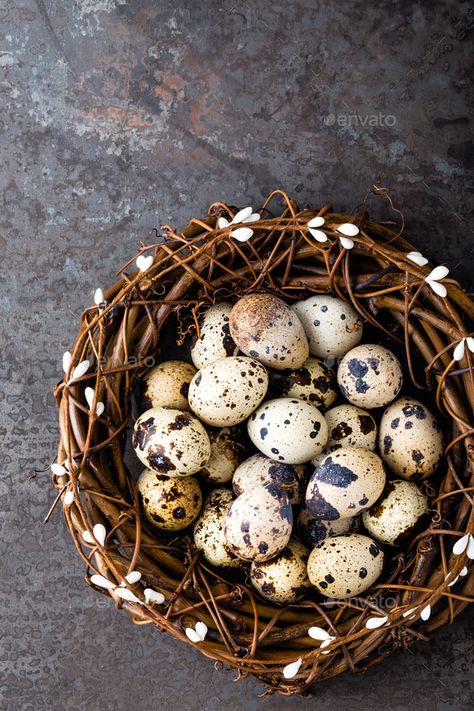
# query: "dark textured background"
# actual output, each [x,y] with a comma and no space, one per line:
[116,116]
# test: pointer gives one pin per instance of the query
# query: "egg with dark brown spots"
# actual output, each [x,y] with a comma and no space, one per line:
[332,326]
[314,382]
[214,340]
[259,523]
[265,327]
[288,430]
[169,503]
[166,385]
[370,376]
[171,441]
[345,483]
[345,566]
[259,470]
[283,579]
[410,439]
[313,530]
[349,425]
[209,530]
[228,391]
[227,452]
[398,514]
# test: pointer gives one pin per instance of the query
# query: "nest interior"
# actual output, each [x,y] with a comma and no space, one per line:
[123,333]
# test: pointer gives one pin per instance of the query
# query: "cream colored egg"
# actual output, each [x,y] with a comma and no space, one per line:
[209,530]
[226,454]
[345,566]
[345,483]
[398,513]
[349,425]
[166,385]
[214,340]
[264,327]
[259,470]
[169,503]
[314,382]
[288,430]
[332,326]
[410,439]
[284,579]
[171,442]
[313,530]
[259,523]
[228,391]
[370,376]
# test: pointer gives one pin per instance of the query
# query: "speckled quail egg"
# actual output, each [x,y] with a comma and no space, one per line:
[264,327]
[228,391]
[345,483]
[209,530]
[288,430]
[259,470]
[169,503]
[345,566]
[410,439]
[284,579]
[259,522]
[398,513]
[171,442]
[214,340]
[370,376]
[166,385]
[313,530]
[314,382]
[350,425]
[332,326]
[226,454]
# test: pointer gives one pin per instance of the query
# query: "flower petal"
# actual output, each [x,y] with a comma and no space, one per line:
[102,582]
[461,545]
[222,223]
[89,394]
[318,235]
[439,289]
[144,263]
[348,229]
[133,577]
[99,533]
[99,297]
[458,353]
[241,215]
[201,630]
[153,597]
[192,635]
[463,572]
[316,222]
[453,582]
[318,633]
[66,361]
[292,669]
[426,613]
[346,242]
[254,217]
[99,408]
[68,498]
[410,612]
[58,469]
[374,622]
[242,234]
[470,343]
[88,537]
[126,594]
[417,258]
[438,273]
[326,643]
[80,369]
[470,548]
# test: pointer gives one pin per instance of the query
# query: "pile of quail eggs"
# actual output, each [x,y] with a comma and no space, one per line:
[282,462]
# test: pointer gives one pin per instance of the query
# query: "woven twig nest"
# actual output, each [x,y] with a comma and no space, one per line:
[161,579]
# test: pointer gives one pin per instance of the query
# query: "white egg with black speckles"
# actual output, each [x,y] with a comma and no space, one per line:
[166,385]
[410,439]
[332,326]
[228,391]
[398,514]
[214,340]
[349,425]
[284,579]
[345,566]
[171,441]
[209,530]
[259,470]
[345,483]
[315,382]
[264,327]
[288,430]
[226,453]
[370,376]
[259,523]
[169,503]
[313,530]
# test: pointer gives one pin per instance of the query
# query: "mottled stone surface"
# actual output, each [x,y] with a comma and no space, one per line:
[119,115]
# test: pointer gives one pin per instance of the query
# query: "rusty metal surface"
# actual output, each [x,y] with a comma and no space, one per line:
[119,115]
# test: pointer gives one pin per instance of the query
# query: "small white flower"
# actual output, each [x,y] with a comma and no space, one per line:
[433,280]
[426,613]
[347,230]
[80,370]
[245,215]
[68,497]
[133,577]
[89,394]
[126,594]
[99,297]
[292,669]
[458,353]
[313,225]
[66,361]
[153,597]
[374,622]
[58,469]
[98,534]
[198,634]
[242,234]
[410,612]
[102,582]
[319,634]
[418,258]
[144,263]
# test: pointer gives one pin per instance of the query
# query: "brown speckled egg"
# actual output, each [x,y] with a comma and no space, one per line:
[398,513]
[166,385]
[264,327]
[169,503]
[350,425]
[171,442]
[259,523]
[370,376]
[345,566]
[314,382]
[332,326]
[345,483]
[228,391]
[214,340]
[283,579]
[259,470]
[410,439]
[209,530]
[226,453]
[288,430]
[313,530]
